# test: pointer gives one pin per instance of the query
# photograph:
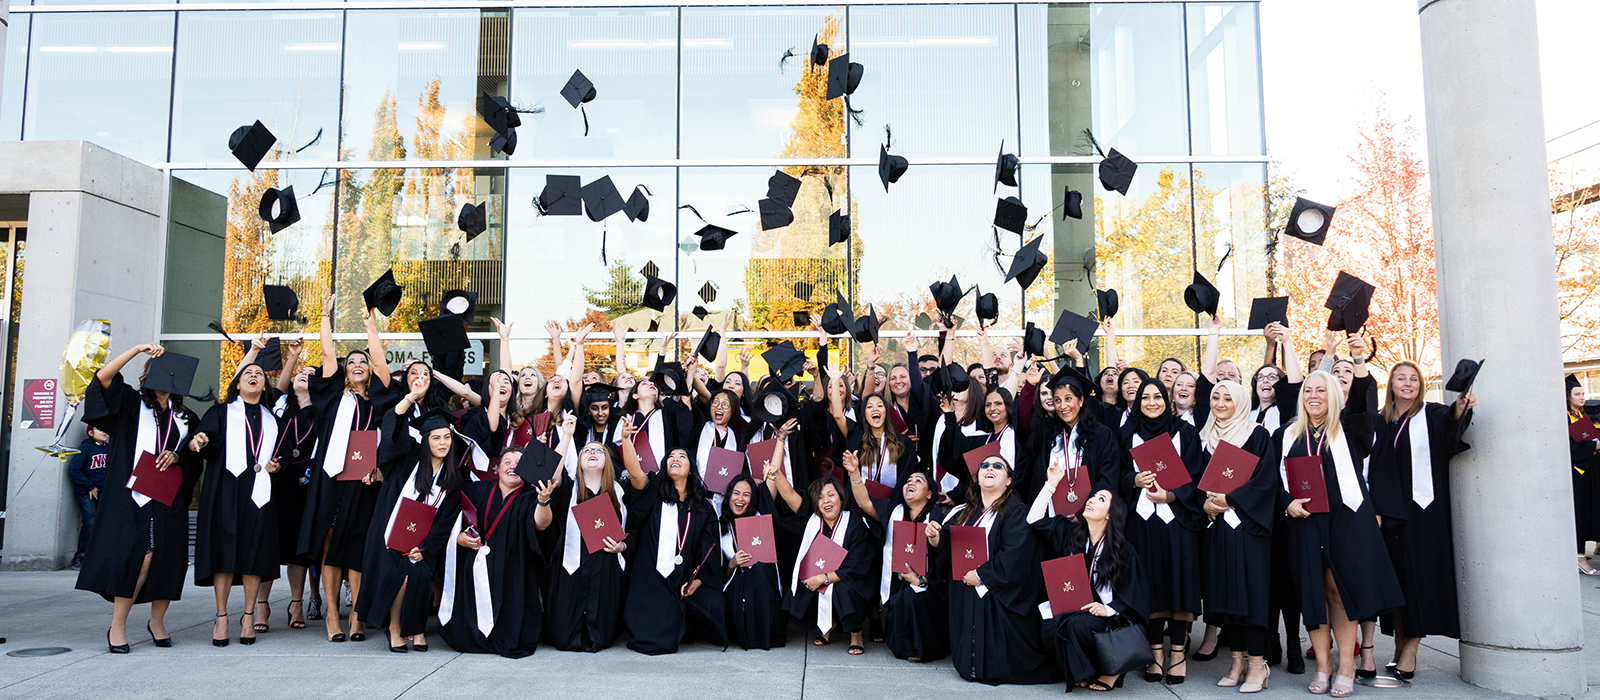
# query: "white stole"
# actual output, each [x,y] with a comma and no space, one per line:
[482,597]
[1344,470]
[986,521]
[339,440]
[1071,462]
[1269,418]
[826,592]
[1421,459]
[572,538]
[146,441]
[435,495]
[888,575]
[236,457]
[1146,507]
[667,542]
[708,437]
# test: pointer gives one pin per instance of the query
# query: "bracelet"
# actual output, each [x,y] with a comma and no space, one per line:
[544,503]
[858,483]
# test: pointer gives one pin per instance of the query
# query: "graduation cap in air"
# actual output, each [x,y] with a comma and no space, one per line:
[655,325]
[1116,171]
[1268,310]
[784,361]
[819,52]
[1107,303]
[601,199]
[658,293]
[890,168]
[1070,326]
[843,76]
[473,220]
[783,187]
[923,321]
[281,302]
[710,343]
[774,214]
[708,293]
[838,318]
[865,328]
[946,295]
[949,379]
[802,319]
[579,91]
[1005,169]
[288,212]
[503,142]
[700,312]
[1201,296]
[270,357]
[1348,301]
[383,294]
[1033,340]
[444,335]
[1010,214]
[1461,380]
[714,237]
[838,227]
[251,143]
[1072,204]
[1309,221]
[802,291]
[459,302]
[638,205]
[171,372]
[988,307]
[497,112]
[775,405]
[1027,263]
[562,196]
[670,379]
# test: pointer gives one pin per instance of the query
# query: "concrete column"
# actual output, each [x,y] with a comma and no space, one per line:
[94,251]
[1521,619]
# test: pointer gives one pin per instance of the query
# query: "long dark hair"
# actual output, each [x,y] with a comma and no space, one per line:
[586,422]
[1011,409]
[268,391]
[174,401]
[1114,565]
[450,476]
[1120,401]
[975,509]
[435,397]
[746,400]
[1255,398]
[727,501]
[1086,418]
[694,489]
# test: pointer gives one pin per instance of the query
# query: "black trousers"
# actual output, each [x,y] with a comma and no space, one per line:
[1074,640]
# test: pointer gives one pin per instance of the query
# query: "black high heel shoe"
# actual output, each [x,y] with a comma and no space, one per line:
[163,643]
[1395,672]
[224,641]
[247,641]
[114,648]
[1150,677]
[1173,678]
[1362,673]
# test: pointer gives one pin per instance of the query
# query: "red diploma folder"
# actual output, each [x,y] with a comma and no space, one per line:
[160,486]
[760,453]
[1160,456]
[969,549]
[753,534]
[874,489]
[822,557]
[1069,498]
[597,520]
[909,547]
[1066,580]
[1582,429]
[469,515]
[976,457]
[647,458]
[540,424]
[721,468]
[360,455]
[1305,481]
[412,519]
[1230,467]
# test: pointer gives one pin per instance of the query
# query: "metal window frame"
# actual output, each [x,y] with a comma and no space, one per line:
[525,4]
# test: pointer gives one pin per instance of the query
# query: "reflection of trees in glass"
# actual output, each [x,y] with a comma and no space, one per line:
[622,293]
[1145,247]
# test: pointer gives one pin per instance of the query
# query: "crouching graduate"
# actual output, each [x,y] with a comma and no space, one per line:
[916,616]
[585,589]
[417,506]
[836,594]
[753,594]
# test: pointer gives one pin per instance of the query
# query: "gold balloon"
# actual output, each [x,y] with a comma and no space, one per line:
[86,353]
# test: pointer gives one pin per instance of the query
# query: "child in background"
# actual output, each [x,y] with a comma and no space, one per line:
[88,471]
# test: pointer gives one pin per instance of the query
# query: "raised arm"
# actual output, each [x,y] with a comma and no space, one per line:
[1291,364]
[575,373]
[722,348]
[869,378]
[947,351]
[1110,343]
[1358,354]
[1041,502]
[330,354]
[256,346]
[504,329]
[619,364]
[630,456]
[291,363]
[465,392]
[112,368]
[375,356]
[1208,364]
[772,471]
[552,329]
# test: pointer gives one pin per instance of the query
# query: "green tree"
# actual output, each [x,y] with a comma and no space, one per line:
[622,293]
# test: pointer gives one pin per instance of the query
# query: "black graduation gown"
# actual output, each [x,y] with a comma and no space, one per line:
[1421,540]
[299,433]
[514,555]
[343,508]
[1585,488]
[232,535]
[753,596]
[474,423]
[1238,561]
[787,523]
[949,455]
[1101,455]
[858,581]
[904,466]
[995,638]
[1347,542]
[384,571]
[586,604]
[658,618]
[1170,551]
[124,531]
[1069,634]
[916,623]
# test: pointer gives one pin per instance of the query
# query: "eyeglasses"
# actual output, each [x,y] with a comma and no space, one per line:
[994,464]
[592,449]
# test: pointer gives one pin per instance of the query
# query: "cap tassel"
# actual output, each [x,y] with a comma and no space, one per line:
[855,114]
[694,211]
[585,114]
[324,181]
[217,326]
[603,230]
[740,210]
[314,141]
[1089,135]
[888,137]
[783,62]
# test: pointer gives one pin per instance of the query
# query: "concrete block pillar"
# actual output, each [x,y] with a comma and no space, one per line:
[1521,618]
[95,250]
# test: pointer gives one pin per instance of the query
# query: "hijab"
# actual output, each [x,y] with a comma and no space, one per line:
[1145,427]
[1237,429]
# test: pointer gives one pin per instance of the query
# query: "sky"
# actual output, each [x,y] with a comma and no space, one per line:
[1318,84]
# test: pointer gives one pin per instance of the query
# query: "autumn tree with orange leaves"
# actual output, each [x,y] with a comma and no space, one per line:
[1576,227]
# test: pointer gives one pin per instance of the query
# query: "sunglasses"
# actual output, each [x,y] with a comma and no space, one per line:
[994,464]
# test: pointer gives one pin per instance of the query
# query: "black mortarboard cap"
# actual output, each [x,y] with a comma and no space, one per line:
[1348,301]
[1266,310]
[251,143]
[288,209]
[710,343]
[713,237]
[655,325]
[281,302]
[1106,299]
[171,372]
[503,142]
[658,293]
[784,361]
[988,307]
[1010,214]
[774,214]
[1073,204]
[444,335]
[1071,326]
[1461,380]
[473,220]
[383,294]
[434,419]
[638,206]
[670,379]
[890,168]
[578,89]
[838,227]
[1201,296]
[497,112]
[837,317]
[1116,172]
[802,291]
[946,295]
[843,76]
[865,328]
[700,312]
[599,392]
[708,293]
[1027,263]
[802,319]
[270,357]
[819,52]
[459,302]
[1309,221]
[783,187]
[601,199]
[1033,340]
[1005,168]
[951,378]
[539,463]
[1572,382]
[774,405]
[562,195]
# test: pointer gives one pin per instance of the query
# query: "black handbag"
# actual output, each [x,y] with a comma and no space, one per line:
[1122,649]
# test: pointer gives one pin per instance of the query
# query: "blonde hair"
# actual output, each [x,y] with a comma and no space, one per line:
[1391,403]
[608,478]
[1335,403]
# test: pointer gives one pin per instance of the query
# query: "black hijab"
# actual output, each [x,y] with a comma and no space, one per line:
[1144,426]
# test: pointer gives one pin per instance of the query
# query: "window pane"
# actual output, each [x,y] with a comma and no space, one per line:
[943,76]
[236,67]
[739,103]
[628,55]
[104,78]
[1225,79]
[16,69]
[1136,60]
[1145,252]
[1060,73]
[412,79]
[1231,236]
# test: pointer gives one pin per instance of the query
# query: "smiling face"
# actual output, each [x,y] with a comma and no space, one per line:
[721,409]
[1267,385]
[1130,386]
[646,391]
[439,440]
[1151,403]
[1346,372]
[739,497]
[529,380]
[915,491]
[506,470]
[1068,404]
[1314,398]
[251,382]
[992,475]
[1222,405]
[500,384]
[302,378]
[592,458]
[994,408]
[418,372]
[1098,507]
[1183,391]
[899,382]
[1047,400]
[1405,383]
[556,388]
[678,465]
[734,383]
[828,503]
[356,367]
[1169,371]
[1108,381]
[1227,371]
[599,413]
[875,412]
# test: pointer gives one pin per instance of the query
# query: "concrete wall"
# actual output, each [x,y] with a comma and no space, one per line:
[81,198]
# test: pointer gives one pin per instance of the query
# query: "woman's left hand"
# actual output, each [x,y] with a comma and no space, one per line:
[971,579]
[742,558]
[165,459]
[614,547]
[816,582]
[1145,480]
[272,467]
[1465,402]
[1098,610]
[415,555]
[689,588]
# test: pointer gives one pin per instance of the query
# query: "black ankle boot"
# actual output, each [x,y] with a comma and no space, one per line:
[1296,663]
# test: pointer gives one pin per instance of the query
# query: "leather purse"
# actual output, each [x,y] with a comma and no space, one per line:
[1122,648]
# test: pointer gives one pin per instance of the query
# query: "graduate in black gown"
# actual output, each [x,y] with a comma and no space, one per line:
[916,614]
[236,529]
[1238,544]
[836,600]
[674,592]
[490,603]
[489,425]
[397,587]
[720,427]
[1338,559]
[298,417]
[333,529]
[1585,475]
[776,418]
[1165,528]
[1409,478]
[139,549]
[881,454]
[584,592]
[753,596]
[994,615]
[1070,433]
